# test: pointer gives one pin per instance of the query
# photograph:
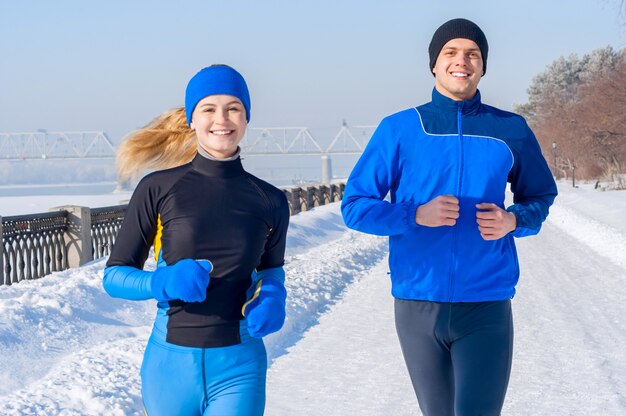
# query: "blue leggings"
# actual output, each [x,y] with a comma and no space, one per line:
[458,354]
[184,381]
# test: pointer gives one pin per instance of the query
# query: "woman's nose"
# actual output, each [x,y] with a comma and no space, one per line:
[221,115]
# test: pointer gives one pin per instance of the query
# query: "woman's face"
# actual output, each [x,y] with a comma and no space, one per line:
[220,123]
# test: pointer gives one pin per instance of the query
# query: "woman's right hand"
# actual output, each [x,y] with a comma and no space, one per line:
[186,280]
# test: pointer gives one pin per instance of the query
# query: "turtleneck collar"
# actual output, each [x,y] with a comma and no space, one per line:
[470,106]
[211,166]
[210,156]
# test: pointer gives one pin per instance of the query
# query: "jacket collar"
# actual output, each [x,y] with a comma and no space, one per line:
[217,168]
[444,103]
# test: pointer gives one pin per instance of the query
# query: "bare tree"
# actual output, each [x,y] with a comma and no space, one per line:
[579,106]
[602,119]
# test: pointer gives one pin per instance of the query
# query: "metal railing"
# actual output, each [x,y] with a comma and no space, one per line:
[33,246]
[304,198]
[38,244]
[105,224]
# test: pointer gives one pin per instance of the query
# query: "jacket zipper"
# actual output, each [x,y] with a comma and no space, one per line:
[458,193]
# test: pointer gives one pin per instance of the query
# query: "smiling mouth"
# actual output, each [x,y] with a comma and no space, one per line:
[460,75]
[222,132]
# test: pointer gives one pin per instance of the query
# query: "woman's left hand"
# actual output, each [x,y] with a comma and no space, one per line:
[265,312]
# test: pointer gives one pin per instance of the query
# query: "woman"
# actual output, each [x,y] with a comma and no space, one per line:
[219,240]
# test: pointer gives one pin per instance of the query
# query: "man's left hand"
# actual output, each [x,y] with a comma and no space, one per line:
[494,222]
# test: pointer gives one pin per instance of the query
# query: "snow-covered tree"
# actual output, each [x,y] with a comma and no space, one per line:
[578,104]
[559,84]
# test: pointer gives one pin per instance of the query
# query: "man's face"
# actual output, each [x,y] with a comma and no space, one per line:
[458,69]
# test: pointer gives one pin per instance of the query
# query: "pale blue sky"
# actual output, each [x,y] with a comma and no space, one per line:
[113,65]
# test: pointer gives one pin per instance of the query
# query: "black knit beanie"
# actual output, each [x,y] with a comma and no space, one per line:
[457,28]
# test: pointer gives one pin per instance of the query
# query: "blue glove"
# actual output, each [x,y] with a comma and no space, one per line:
[265,311]
[186,280]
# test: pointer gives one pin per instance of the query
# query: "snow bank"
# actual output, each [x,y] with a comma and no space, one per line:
[67,348]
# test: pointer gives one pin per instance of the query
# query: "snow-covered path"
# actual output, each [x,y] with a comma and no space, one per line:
[569,351]
[66,348]
[569,314]
[350,363]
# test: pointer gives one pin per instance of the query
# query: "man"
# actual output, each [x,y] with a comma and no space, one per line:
[445,165]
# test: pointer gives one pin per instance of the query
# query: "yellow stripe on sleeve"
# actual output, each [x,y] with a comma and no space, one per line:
[157,239]
[257,291]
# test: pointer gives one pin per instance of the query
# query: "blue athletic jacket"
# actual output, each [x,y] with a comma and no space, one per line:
[464,148]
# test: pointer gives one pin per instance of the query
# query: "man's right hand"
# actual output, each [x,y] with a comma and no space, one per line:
[443,210]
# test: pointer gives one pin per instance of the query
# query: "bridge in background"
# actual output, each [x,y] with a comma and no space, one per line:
[300,141]
[45,144]
[270,141]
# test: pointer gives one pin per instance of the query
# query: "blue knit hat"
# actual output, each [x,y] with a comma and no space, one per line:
[212,80]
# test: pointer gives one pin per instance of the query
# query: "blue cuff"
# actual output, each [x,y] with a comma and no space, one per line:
[276,273]
[520,230]
[412,207]
[127,282]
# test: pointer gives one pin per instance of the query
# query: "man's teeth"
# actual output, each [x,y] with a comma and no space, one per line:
[459,74]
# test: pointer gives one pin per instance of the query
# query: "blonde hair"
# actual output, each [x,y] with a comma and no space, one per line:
[166,142]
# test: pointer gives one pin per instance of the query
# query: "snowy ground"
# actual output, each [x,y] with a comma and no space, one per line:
[66,348]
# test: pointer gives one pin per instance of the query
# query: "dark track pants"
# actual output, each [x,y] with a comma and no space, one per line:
[458,354]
